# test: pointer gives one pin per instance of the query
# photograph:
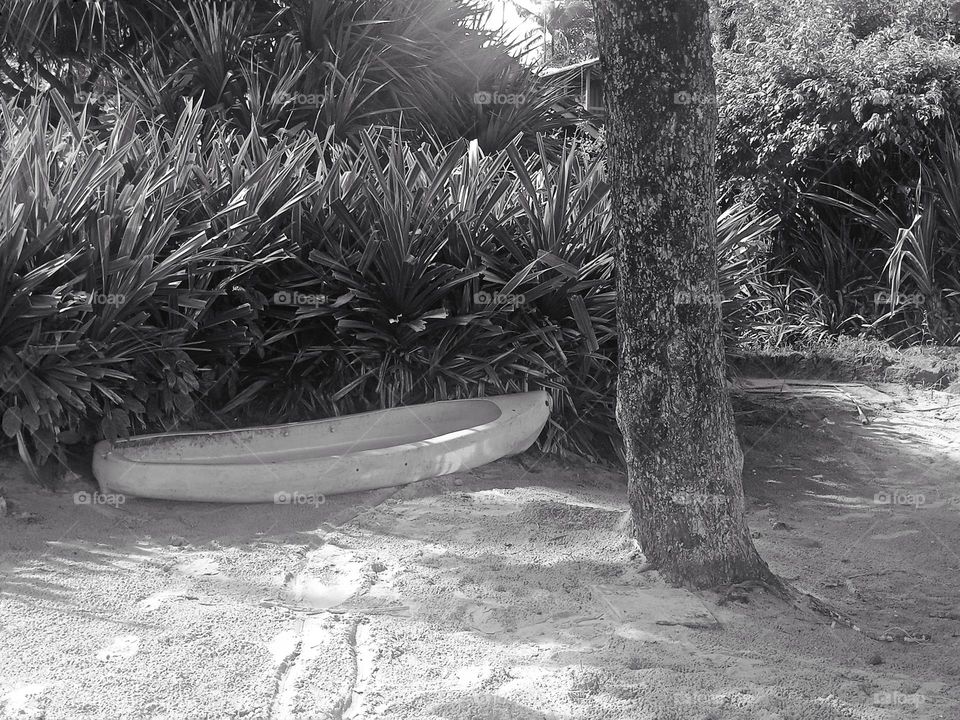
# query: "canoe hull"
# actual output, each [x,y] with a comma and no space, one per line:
[219,467]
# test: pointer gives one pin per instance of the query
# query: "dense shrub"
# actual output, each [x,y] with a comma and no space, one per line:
[920,295]
[114,254]
[429,68]
[202,246]
[812,99]
[156,277]
[830,98]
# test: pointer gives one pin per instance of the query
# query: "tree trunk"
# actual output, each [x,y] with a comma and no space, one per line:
[683,458]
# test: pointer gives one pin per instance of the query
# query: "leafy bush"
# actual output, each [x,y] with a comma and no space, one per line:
[114,256]
[331,66]
[157,277]
[812,100]
[446,273]
[847,96]
[921,297]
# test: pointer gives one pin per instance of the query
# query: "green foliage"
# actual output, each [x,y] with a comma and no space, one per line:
[573,31]
[847,98]
[743,238]
[157,277]
[331,66]
[814,100]
[445,273]
[744,21]
[115,254]
[921,260]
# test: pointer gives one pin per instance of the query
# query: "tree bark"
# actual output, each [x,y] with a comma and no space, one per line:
[683,459]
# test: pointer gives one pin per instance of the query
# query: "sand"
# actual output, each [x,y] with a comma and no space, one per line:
[505,593]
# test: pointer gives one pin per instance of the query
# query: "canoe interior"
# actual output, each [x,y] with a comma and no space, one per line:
[314,439]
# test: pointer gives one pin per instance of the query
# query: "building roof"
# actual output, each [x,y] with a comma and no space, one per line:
[589,62]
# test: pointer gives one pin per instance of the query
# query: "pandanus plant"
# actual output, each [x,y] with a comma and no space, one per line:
[116,259]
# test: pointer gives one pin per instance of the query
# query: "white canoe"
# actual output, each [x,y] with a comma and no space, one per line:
[308,460]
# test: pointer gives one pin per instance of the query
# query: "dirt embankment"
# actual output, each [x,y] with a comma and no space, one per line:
[854,361]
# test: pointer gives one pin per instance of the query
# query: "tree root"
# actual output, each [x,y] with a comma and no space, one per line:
[800,600]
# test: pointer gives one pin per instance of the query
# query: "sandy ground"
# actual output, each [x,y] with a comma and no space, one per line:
[506,593]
